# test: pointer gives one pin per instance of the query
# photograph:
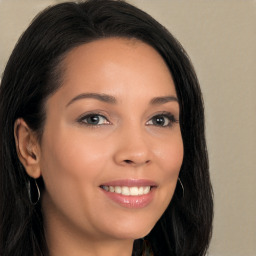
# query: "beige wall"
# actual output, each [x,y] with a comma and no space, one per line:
[220,37]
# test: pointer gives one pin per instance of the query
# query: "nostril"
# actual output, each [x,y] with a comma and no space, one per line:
[132,162]
[128,161]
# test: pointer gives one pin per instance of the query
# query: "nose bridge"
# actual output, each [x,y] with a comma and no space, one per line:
[133,148]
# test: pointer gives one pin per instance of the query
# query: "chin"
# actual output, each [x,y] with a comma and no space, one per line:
[132,231]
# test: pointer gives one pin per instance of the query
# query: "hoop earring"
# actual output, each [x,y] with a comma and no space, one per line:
[182,187]
[33,192]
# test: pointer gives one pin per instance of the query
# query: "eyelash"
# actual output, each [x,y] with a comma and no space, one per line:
[166,115]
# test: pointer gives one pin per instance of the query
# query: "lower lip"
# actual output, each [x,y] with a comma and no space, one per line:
[131,201]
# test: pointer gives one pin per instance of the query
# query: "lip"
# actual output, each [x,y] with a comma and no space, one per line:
[134,202]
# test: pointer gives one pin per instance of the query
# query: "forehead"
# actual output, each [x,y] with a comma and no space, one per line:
[115,66]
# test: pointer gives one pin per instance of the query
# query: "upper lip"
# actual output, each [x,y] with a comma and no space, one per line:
[131,183]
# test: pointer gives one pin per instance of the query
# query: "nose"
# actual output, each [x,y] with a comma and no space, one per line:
[132,149]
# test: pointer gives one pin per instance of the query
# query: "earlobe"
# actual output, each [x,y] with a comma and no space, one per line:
[27,148]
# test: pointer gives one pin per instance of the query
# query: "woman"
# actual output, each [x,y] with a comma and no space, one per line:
[102,138]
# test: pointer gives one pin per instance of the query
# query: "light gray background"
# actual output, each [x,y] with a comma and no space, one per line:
[220,37]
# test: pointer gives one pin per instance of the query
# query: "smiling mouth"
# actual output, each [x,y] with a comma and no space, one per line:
[128,191]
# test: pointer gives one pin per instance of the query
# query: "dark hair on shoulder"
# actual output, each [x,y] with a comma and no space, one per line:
[34,72]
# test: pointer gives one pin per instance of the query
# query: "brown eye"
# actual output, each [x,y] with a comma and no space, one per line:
[163,120]
[160,120]
[94,119]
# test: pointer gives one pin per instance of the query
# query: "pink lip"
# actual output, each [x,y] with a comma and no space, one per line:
[131,201]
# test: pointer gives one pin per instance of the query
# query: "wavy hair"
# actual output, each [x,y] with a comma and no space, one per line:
[34,72]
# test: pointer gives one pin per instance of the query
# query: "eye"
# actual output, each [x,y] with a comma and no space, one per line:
[93,119]
[162,120]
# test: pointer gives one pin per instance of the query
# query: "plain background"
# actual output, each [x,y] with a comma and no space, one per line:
[220,38]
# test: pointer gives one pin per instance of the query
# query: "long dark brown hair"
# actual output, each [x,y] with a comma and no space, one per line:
[34,72]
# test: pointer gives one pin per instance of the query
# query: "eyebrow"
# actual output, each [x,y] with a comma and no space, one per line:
[98,96]
[112,100]
[163,100]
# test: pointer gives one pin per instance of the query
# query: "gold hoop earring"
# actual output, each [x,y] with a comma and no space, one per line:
[33,192]
[182,187]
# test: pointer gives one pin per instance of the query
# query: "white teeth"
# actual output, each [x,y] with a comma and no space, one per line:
[134,191]
[146,190]
[125,191]
[128,191]
[140,191]
[118,190]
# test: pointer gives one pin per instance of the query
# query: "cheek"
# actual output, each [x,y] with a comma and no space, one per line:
[170,155]
[73,164]
[71,168]
[69,155]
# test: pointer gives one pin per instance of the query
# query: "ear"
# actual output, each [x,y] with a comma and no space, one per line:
[27,148]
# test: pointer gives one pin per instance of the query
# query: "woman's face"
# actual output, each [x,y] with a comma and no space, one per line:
[112,149]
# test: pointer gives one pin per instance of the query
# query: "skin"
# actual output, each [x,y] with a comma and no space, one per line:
[75,158]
